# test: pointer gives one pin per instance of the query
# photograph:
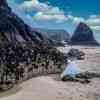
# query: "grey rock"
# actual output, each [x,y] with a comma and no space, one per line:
[83,35]
[75,53]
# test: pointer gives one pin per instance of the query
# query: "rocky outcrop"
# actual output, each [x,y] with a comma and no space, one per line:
[83,35]
[23,61]
[13,29]
[24,52]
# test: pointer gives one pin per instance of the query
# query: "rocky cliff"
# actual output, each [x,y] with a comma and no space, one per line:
[56,35]
[83,35]
[24,52]
[13,29]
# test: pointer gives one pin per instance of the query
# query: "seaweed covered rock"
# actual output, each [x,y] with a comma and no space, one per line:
[56,35]
[23,61]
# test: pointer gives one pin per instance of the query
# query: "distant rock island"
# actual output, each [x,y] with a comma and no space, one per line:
[83,35]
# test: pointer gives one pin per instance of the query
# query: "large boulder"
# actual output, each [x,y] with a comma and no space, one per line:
[75,53]
[83,35]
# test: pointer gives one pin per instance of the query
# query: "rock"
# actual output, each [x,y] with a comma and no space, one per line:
[13,29]
[83,35]
[75,53]
[84,77]
[22,61]
[23,50]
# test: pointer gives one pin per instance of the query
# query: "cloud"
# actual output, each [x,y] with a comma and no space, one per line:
[94,22]
[96,28]
[43,11]
[35,10]
[76,19]
[34,5]
[39,14]
[50,16]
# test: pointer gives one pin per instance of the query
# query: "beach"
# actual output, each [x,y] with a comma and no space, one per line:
[50,88]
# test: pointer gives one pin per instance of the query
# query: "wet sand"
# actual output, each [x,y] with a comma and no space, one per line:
[49,88]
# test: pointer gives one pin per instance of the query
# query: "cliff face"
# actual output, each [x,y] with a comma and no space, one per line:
[13,29]
[83,35]
[3,3]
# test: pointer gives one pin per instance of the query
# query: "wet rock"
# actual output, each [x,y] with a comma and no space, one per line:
[83,78]
[75,53]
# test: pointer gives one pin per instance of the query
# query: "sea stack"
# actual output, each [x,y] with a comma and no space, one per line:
[83,35]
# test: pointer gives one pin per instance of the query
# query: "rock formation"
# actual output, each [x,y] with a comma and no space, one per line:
[83,35]
[12,28]
[24,52]
[75,53]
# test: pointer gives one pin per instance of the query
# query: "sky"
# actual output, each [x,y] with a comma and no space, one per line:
[59,14]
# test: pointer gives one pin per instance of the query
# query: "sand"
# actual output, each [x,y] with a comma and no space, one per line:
[49,88]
